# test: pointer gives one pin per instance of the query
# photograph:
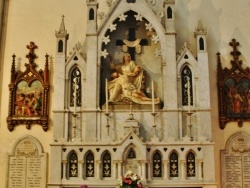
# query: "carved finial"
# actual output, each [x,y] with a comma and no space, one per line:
[235,53]
[18,67]
[62,26]
[200,30]
[12,78]
[31,55]
[62,31]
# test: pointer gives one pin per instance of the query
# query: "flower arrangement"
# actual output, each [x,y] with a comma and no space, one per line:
[130,180]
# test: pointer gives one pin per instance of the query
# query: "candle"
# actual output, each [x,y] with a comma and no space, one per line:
[188,92]
[106,93]
[75,98]
[153,98]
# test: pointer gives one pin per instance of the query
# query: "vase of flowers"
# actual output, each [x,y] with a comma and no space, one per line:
[130,180]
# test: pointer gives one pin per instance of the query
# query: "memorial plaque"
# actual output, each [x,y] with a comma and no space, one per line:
[246,170]
[27,165]
[235,162]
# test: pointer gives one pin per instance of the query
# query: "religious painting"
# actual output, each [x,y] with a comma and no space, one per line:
[28,100]
[29,91]
[233,90]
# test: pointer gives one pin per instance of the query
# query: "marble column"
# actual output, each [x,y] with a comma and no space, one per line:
[114,169]
[98,167]
[149,170]
[120,168]
[165,168]
[200,170]
[80,169]
[64,169]
[183,170]
[143,169]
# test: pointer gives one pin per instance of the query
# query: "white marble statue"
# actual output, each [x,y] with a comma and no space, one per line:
[127,83]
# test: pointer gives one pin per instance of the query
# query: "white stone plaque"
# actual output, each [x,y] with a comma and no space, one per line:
[235,162]
[27,165]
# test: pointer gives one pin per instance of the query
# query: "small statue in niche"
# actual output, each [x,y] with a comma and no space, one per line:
[128,83]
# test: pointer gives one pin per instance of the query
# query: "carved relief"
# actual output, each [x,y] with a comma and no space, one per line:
[29,92]
[233,90]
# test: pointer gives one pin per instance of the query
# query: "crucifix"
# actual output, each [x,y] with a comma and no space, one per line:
[31,55]
[235,53]
[132,45]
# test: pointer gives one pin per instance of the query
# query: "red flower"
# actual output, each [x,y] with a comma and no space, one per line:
[128,181]
[139,185]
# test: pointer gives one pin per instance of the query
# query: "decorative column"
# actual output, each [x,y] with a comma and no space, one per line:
[183,170]
[80,169]
[165,163]
[98,164]
[149,170]
[143,169]
[200,170]
[120,167]
[64,169]
[114,169]
[139,167]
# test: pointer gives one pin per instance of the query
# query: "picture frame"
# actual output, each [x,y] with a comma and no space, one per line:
[29,93]
[233,89]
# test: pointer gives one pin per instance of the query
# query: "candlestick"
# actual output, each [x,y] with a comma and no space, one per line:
[188,92]
[106,93]
[153,98]
[75,98]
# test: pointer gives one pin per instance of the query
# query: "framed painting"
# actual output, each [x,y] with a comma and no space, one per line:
[29,93]
[233,90]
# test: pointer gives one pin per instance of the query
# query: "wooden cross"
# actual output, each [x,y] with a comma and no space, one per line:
[131,38]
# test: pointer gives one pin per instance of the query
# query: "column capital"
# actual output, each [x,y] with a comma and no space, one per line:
[81,162]
[183,162]
[200,161]
[64,161]
[98,161]
[165,161]
[143,161]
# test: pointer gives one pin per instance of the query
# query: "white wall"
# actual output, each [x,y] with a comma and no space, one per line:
[30,20]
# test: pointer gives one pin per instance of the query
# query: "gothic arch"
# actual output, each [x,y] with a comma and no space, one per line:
[60,46]
[191,164]
[169,13]
[91,14]
[201,44]
[131,155]
[89,162]
[187,85]
[157,164]
[106,164]
[75,86]
[150,17]
[173,164]
[72,162]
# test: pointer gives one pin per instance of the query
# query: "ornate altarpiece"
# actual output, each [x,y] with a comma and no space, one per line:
[29,93]
[233,90]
